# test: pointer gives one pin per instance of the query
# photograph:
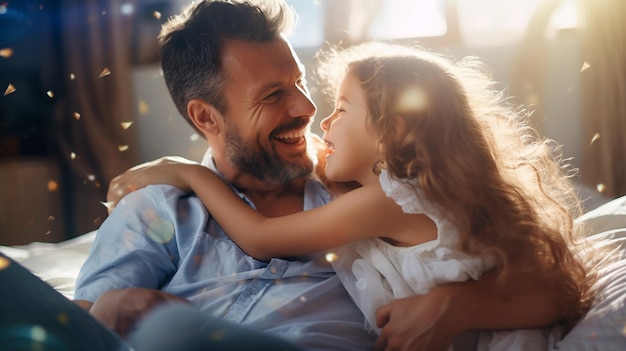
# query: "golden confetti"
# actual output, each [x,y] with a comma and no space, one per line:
[50,93]
[601,187]
[303,298]
[4,263]
[108,204]
[331,256]
[52,185]
[91,177]
[156,14]
[48,232]
[72,76]
[10,89]
[73,156]
[585,66]
[126,125]
[50,218]
[594,138]
[76,116]
[143,107]
[122,148]
[105,72]
[6,52]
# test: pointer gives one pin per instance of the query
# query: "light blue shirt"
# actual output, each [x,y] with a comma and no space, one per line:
[161,238]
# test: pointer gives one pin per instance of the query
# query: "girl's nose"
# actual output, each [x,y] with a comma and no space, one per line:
[325,123]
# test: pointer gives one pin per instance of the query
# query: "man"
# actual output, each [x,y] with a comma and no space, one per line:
[238,82]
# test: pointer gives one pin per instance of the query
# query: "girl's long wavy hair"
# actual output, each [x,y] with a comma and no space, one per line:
[474,156]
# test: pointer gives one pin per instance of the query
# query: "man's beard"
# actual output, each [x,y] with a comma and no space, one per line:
[265,165]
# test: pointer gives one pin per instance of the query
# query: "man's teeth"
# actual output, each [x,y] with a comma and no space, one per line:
[291,135]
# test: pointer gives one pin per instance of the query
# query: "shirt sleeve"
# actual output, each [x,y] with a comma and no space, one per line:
[134,247]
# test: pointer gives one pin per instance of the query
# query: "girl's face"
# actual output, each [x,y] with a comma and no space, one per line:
[353,145]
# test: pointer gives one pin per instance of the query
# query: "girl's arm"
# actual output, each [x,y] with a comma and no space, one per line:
[361,213]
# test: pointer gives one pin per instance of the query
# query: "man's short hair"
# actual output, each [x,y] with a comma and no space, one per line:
[191,44]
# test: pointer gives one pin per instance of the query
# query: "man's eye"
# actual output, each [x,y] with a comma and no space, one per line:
[273,96]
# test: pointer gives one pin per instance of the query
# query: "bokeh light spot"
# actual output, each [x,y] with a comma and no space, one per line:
[126,125]
[4,262]
[601,188]
[156,14]
[53,185]
[38,333]
[218,335]
[331,256]
[412,99]
[63,318]
[122,147]
[73,155]
[594,138]
[127,9]
[76,116]
[6,52]
[50,93]
[143,107]
[160,230]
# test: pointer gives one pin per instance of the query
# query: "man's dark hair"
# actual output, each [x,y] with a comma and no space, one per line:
[191,44]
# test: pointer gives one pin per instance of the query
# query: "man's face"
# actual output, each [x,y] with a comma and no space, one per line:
[268,111]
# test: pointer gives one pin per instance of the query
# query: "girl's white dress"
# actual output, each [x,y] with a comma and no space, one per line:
[375,272]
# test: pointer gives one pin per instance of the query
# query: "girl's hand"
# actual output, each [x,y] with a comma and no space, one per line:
[164,170]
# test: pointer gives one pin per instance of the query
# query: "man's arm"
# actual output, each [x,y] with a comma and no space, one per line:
[521,299]
[130,259]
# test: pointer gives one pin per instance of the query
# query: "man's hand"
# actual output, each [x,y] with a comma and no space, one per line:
[416,323]
[122,309]
[138,177]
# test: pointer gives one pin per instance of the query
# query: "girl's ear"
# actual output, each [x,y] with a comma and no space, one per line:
[205,116]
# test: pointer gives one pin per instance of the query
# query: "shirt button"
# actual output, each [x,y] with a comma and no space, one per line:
[273,269]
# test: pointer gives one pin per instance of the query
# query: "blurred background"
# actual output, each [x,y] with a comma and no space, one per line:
[83,97]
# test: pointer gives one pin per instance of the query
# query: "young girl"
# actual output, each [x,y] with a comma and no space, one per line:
[454,183]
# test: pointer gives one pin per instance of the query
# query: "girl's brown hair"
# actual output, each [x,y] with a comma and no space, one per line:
[474,156]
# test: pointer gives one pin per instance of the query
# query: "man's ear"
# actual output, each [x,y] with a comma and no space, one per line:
[205,116]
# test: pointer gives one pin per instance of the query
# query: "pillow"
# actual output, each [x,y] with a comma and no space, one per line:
[604,326]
